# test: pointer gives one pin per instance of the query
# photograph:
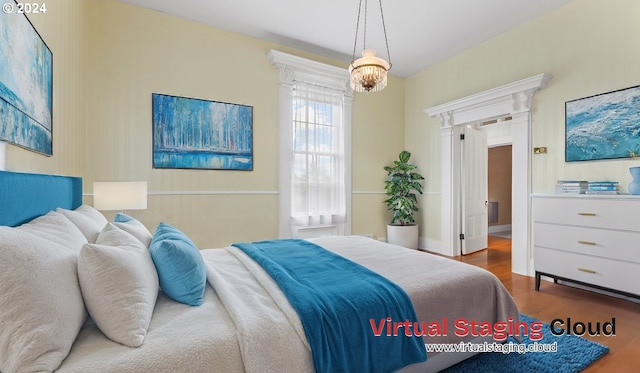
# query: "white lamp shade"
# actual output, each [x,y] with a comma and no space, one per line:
[120,195]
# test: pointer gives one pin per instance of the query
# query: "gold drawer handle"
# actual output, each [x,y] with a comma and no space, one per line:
[586,270]
[586,214]
[587,243]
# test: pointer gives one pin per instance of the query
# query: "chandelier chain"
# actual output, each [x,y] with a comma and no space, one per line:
[355,40]
[364,38]
[384,29]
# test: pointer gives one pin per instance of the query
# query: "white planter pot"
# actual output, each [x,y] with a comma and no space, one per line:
[403,235]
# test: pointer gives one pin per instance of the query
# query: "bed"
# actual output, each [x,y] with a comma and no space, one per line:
[244,322]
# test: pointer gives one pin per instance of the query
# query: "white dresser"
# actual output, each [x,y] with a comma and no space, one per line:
[589,240]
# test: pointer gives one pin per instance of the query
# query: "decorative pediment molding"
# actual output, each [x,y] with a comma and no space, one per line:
[508,99]
[297,68]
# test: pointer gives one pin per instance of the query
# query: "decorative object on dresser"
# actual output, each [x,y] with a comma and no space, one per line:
[603,187]
[589,240]
[587,187]
[634,186]
[401,187]
[572,186]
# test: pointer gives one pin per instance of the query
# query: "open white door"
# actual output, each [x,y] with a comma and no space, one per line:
[474,191]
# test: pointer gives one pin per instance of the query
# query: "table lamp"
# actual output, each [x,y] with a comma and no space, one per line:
[120,195]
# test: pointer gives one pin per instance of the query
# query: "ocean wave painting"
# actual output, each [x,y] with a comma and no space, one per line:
[199,134]
[605,126]
[26,85]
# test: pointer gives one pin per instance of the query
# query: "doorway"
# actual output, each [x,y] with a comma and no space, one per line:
[499,191]
[512,102]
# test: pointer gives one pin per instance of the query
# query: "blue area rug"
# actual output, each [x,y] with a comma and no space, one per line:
[573,355]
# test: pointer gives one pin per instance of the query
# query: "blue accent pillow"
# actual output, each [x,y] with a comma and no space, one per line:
[180,266]
[133,226]
[122,218]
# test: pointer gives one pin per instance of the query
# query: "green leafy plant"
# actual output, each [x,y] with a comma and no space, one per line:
[401,187]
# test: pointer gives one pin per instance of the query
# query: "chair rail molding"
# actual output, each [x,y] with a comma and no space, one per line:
[512,101]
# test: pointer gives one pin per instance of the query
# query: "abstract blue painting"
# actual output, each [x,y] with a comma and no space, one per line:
[604,126]
[26,85]
[200,134]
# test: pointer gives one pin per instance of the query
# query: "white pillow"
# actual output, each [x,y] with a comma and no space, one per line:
[119,284]
[134,227]
[41,307]
[89,220]
[56,227]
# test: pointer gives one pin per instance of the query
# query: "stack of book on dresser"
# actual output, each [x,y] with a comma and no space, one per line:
[587,187]
[603,187]
[572,186]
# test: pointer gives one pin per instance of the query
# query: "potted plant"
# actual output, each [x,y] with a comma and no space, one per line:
[401,187]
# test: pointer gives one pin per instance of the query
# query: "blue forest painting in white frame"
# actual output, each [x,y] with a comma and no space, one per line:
[193,133]
[26,85]
[605,126]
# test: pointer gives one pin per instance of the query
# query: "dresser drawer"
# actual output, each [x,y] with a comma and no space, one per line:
[620,245]
[608,273]
[588,211]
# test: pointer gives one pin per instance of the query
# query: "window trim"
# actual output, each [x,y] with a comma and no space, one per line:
[294,68]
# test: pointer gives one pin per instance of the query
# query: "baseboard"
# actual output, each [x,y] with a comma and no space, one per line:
[434,246]
[499,228]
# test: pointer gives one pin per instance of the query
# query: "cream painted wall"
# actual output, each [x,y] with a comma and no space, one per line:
[587,45]
[64,28]
[378,138]
[135,52]
[110,56]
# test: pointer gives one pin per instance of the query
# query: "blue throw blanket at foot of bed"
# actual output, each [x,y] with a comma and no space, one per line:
[341,304]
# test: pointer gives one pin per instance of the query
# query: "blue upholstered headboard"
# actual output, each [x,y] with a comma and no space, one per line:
[26,196]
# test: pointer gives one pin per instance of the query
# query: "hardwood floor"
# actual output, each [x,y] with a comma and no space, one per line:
[560,301]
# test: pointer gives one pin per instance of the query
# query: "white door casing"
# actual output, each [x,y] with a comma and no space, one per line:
[508,101]
[474,187]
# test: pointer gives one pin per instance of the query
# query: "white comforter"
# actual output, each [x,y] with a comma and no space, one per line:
[269,331]
[246,324]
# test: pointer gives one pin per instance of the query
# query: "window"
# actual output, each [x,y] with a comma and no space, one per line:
[315,130]
[317,180]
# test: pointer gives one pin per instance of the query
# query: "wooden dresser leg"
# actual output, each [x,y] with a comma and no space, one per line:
[537,281]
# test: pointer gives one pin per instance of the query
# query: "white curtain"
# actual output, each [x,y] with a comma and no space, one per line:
[318,159]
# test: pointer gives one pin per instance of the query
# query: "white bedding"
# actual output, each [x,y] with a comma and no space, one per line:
[246,324]
[269,331]
[180,338]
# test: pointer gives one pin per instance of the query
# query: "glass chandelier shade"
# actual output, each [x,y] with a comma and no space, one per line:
[369,72]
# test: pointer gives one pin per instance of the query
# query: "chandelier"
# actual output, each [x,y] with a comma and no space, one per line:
[369,72]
